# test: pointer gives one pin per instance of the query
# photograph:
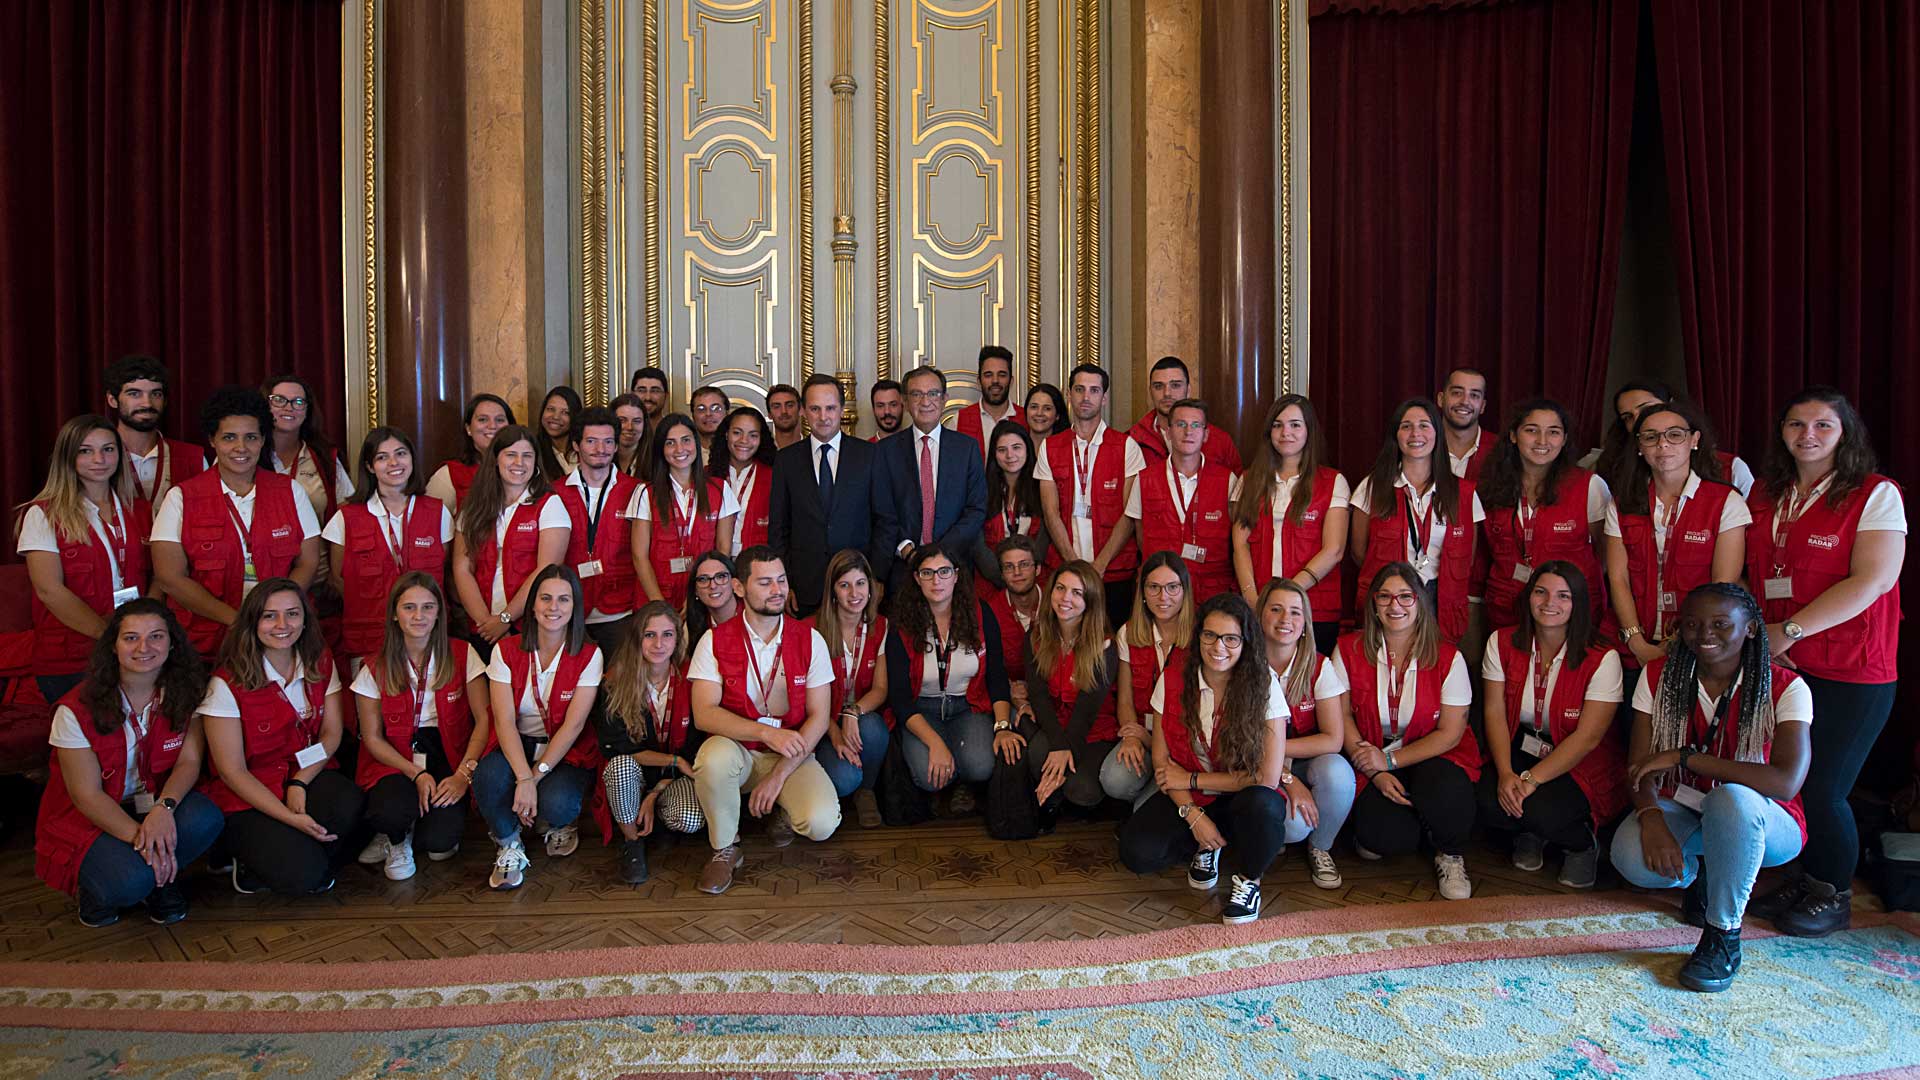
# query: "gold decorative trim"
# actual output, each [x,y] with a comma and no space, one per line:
[845,245]
[883,193]
[1032,137]
[618,327]
[593,205]
[650,155]
[1086,203]
[370,192]
[1283,38]
[803,258]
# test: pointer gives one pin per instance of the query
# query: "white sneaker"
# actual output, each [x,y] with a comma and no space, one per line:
[1452,872]
[443,856]
[563,842]
[1325,874]
[509,866]
[400,859]
[375,852]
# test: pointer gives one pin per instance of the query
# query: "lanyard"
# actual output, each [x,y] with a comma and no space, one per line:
[850,673]
[1663,528]
[1419,528]
[1161,650]
[138,741]
[302,717]
[764,705]
[397,540]
[1706,745]
[1391,723]
[116,531]
[658,703]
[1009,519]
[1541,670]
[159,470]
[417,686]
[595,508]
[1083,457]
[545,704]
[943,656]
[1524,521]
[1788,514]
[239,527]
[1182,503]
[682,516]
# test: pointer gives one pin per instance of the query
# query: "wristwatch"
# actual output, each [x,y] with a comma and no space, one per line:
[1002,725]
[1526,777]
[170,803]
[1285,777]
[1628,633]
[1191,808]
[542,768]
[1793,630]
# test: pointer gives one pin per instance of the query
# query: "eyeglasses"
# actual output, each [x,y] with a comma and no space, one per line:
[1188,425]
[1673,436]
[281,402]
[930,573]
[927,395]
[1398,599]
[1023,566]
[1171,588]
[710,408]
[1232,641]
[718,578]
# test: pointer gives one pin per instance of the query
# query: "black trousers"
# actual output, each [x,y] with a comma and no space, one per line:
[1083,783]
[1119,601]
[1252,820]
[1850,717]
[289,861]
[608,635]
[393,803]
[1443,808]
[1556,811]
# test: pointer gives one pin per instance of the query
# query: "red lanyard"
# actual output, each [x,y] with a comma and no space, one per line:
[1391,722]
[1083,470]
[1663,548]
[544,705]
[753,661]
[240,528]
[417,686]
[303,718]
[743,488]
[138,725]
[1541,666]
[683,519]
[850,674]
[1419,529]
[661,706]
[1524,521]
[1787,515]
[1181,502]
[116,531]
[159,470]
[396,541]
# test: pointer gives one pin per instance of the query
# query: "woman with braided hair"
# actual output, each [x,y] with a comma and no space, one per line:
[1720,749]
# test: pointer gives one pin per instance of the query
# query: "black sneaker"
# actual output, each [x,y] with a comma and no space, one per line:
[1821,910]
[1781,900]
[1714,963]
[98,919]
[1693,902]
[960,800]
[167,905]
[245,883]
[633,862]
[1204,871]
[1243,903]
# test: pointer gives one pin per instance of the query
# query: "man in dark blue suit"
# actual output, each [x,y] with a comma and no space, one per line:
[826,497]
[924,453]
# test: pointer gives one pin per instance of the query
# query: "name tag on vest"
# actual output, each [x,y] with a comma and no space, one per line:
[280,532]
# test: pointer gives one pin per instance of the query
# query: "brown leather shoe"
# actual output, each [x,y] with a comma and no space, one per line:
[867,808]
[780,828]
[718,875]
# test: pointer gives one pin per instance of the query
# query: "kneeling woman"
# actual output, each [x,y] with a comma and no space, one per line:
[856,636]
[1323,791]
[120,817]
[647,735]
[273,715]
[1406,729]
[1552,689]
[545,763]
[422,701]
[1219,755]
[1071,667]
[1720,749]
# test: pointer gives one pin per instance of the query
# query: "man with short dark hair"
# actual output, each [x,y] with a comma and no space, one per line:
[650,386]
[934,478]
[977,421]
[1185,504]
[826,496]
[596,495]
[1087,472]
[136,400]
[889,403]
[1168,382]
[709,405]
[783,412]
[1463,400]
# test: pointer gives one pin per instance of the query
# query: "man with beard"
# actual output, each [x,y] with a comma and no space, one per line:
[650,386]
[783,412]
[1168,382]
[1462,401]
[595,495]
[136,400]
[996,385]
[889,404]
[1087,472]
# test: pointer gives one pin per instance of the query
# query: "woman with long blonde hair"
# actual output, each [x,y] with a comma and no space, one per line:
[647,735]
[1071,667]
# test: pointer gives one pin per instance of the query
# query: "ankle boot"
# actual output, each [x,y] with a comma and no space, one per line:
[1821,910]
[1714,963]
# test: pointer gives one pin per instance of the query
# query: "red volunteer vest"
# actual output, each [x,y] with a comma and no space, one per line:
[972,422]
[397,711]
[1013,636]
[328,470]
[864,664]
[796,657]
[1143,670]
[522,550]
[756,509]
[460,474]
[1301,541]
[1106,723]
[179,462]
[918,653]
[1729,738]
[1817,553]
[1602,775]
[1560,531]
[1109,494]
[585,751]
[272,732]
[1177,733]
[1387,542]
[998,527]
[1218,447]
[613,590]
[672,735]
[369,567]
[1207,525]
[1689,562]
[1482,450]
[211,541]
[1303,717]
[63,834]
[1363,683]
[667,543]
[86,568]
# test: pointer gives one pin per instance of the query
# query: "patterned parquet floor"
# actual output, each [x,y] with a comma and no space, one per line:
[942,883]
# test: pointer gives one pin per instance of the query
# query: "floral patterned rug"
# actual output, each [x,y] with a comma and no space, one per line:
[1555,987]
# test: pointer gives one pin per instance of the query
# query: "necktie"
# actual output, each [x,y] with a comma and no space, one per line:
[826,478]
[926,489]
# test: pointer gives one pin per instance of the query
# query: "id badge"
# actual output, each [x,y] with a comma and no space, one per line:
[540,749]
[143,801]
[1779,588]
[769,721]
[1669,601]
[1532,744]
[1193,552]
[121,596]
[1082,510]
[311,756]
[590,568]
[678,565]
[1522,573]
[1690,797]
[419,760]
[1393,746]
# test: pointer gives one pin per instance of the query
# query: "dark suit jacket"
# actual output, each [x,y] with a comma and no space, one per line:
[808,533]
[960,491]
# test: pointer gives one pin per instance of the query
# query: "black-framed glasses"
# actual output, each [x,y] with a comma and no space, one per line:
[719,577]
[931,573]
[1673,436]
[1232,641]
[281,401]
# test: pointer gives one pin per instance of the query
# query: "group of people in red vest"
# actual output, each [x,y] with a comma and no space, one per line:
[267,653]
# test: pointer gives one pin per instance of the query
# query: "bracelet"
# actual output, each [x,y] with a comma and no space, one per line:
[523,779]
[294,781]
[1193,781]
[1391,764]
[1645,810]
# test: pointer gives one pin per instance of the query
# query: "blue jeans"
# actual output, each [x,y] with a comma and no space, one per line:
[848,777]
[1737,832]
[561,794]
[1331,779]
[114,876]
[968,735]
[1119,781]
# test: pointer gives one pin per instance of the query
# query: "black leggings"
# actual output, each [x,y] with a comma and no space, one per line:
[1848,720]
[1443,806]
[393,802]
[1082,787]
[1252,820]
[1557,811]
[290,861]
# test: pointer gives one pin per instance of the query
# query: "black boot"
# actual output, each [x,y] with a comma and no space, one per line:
[1822,910]
[1714,963]
[633,862]
[1693,902]
[1782,899]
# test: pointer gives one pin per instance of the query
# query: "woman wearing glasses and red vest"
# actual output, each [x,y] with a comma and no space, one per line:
[680,513]
[220,533]
[1541,507]
[422,704]
[599,549]
[544,763]
[1824,557]
[1291,518]
[85,545]
[1412,509]
[1553,688]
[1673,527]
[1160,630]
[486,414]
[1406,729]
[512,526]
[274,716]
[120,817]
[386,528]
[948,680]
[1185,504]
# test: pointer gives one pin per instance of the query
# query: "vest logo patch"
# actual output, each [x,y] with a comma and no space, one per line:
[281,532]
[566,695]
[1824,543]
[1697,536]
[1213,515]
[423,541]
[1310,516]
[174,742]
[1110,485]
[1570,714]
[527,527]
[1565,526]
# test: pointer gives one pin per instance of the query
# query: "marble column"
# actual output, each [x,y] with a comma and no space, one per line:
[1171,107]
[501,192]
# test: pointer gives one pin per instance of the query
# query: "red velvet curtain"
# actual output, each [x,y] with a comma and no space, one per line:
[170,185]
[1469,186]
